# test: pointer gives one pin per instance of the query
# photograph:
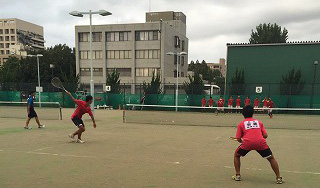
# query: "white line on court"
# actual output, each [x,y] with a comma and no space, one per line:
[289,171]
[42,148]
[51,154]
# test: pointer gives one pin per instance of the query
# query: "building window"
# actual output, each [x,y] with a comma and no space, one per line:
[83,37]
[97,54]
[97,72]
[7,45]
[96,37]
[124,72]
[13,38]
[87,72]
[1,45]
[118,54]
[183,45]
[7,51]
[1,38]
[6,31]
[118,36]
[175,73]
[1,31]
[147,54]
[182,74]
[176,42]
[7,38]
[12,31]
[182,60]
[147,35]
[147,72]
[1,52]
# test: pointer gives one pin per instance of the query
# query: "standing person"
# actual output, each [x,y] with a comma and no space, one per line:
[83,107]
[230,103]
[210,101]
[247,101]
[265,103]
[203,102]
[220,105]
[256,103]
[252,136]
[31,112]
[270,105]
[238,103]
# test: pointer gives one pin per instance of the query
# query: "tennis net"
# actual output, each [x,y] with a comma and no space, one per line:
[283,118]
[48,110]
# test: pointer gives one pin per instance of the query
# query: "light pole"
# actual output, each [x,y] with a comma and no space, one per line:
[52,67]
[38,55]
[178,54]
[80,14]
[315,63]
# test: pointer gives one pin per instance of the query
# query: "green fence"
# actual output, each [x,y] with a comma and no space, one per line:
[281,101]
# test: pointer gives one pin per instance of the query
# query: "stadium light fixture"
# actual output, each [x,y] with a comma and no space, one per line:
[90,13]
[178,59]
[38,64]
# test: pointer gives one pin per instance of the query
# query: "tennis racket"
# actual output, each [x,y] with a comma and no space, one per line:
[57,83]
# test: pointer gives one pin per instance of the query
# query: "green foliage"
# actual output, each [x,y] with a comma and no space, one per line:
[25,70]
[268,33]
[237,84]
[195,85]
[154,87]
[113,81]
[291,83]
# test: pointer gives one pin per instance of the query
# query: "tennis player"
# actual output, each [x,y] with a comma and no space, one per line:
[83,107]
[31,112]
[238,103]
[270,105]
[210,101]
[230,103]
[220,105]
[252,136]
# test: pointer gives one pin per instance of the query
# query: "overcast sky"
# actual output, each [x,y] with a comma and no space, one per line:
[210,23]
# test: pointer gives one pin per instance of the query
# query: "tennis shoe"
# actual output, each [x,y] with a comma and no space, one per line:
[27,128]
[41,126]
[71,136]
[236,177]
[279,180]
[80,141]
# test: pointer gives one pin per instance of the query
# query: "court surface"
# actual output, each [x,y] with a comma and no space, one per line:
[133,155]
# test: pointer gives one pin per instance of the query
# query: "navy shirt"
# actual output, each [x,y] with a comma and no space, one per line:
[30,101]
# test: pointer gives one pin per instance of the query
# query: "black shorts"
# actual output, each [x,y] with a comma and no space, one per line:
[77,121]
[32,113]
[264,153]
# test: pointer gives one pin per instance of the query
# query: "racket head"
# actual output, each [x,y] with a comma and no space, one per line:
[56,82]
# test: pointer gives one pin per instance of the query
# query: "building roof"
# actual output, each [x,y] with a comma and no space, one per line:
[275,44]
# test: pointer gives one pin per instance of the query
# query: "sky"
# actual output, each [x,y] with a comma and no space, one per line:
[211,24]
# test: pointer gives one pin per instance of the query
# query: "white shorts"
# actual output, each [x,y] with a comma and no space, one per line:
[220,108]
[229,106]
[237,107]
[264,107]
[210,105]
[256,106]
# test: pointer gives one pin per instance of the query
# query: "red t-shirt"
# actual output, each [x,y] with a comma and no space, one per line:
[81,109]
[230,101]
[265,102]
[238,102]
[247,102]
[270,104]
[221,103]
[256,102]
[251,131]
[211,102]
[204,102]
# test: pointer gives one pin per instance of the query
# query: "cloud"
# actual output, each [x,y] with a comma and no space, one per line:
[210,23]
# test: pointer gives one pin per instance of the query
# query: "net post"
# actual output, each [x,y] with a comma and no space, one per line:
[60,112]
[123,115]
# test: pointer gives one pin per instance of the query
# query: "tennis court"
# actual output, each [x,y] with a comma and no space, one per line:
[152,155]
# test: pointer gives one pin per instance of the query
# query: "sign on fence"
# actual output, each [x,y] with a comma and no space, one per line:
[259,89]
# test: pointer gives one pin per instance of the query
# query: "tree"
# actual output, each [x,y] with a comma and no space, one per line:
[195,85]
[113,81]
[291,83]
[154,87]
[268,33]
[237,84]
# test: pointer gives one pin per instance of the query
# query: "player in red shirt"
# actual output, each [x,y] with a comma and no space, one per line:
[252,136]
[265,103]
[230,103]
[220,105]
[270,105]
[83,107]
[203,101]
[256,103]
[238,103]
[210,101]
[247,101]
